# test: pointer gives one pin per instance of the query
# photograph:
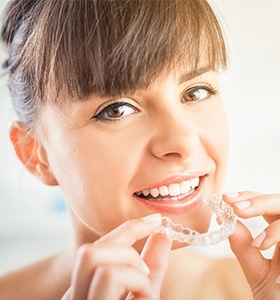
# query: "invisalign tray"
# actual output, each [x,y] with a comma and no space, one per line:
[225,215]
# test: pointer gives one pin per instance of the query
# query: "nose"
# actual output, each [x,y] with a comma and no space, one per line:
[174,137]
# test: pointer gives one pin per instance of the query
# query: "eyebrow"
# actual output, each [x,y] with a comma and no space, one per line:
[191,75]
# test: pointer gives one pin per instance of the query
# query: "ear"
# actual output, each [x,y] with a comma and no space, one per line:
[31,153]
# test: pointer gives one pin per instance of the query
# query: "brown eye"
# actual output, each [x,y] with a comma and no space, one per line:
[116,111]
[199,93]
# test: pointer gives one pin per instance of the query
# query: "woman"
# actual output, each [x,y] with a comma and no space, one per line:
[118,104]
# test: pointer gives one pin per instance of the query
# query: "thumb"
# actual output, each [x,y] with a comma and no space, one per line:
[156,255]
[67,295]
[254,265]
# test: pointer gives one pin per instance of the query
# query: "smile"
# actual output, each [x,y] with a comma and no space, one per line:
[176,195]
[173,192]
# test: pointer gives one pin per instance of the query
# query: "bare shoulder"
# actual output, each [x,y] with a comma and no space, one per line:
[227,274]
[45,279]
[200,277]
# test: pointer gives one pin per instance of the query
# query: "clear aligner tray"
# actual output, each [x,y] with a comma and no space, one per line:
[225,215]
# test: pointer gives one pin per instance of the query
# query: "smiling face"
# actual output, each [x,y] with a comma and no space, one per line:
[161,149]
[122,124]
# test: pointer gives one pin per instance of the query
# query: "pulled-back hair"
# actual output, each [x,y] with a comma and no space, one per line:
[77,48]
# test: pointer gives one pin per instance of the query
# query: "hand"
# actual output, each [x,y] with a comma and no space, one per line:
[262,274]
[111,268]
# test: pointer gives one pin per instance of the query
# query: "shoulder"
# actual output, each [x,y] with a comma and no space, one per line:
[41,280]
[201,277]
[227,275]
[185,275]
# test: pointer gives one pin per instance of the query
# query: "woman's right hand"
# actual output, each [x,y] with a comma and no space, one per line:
[111,268]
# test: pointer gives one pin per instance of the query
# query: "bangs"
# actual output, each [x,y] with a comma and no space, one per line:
[105,47]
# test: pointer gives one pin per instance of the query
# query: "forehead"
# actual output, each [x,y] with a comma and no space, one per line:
[179,75]
[179,79]
[105,57]
[62,115]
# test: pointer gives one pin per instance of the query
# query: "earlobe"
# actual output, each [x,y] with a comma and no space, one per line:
[31,153]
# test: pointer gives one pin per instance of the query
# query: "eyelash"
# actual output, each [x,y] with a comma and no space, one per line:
[212,91]
[101,116]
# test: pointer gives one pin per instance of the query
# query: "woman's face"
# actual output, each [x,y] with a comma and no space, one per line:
[162,149]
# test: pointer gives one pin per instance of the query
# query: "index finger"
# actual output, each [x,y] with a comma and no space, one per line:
[132,230]
[258,205]
[156,255]
[254,265]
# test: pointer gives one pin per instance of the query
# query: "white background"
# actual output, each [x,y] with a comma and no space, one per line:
[33,222]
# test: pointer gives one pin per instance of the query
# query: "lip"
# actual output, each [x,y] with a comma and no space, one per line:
[176,207]
[176,179]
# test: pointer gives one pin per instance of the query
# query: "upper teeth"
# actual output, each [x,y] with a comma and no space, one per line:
[174,189]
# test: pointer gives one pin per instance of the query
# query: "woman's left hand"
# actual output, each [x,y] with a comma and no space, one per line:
[262,274]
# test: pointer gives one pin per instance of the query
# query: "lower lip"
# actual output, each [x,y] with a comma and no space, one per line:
[176,207]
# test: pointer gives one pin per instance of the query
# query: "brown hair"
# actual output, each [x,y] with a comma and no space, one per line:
[76,48]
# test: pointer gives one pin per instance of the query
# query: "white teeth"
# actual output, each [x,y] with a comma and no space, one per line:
[163,190]
[154,192]
[174,189]
[185,187]
[194,182]
[146,193]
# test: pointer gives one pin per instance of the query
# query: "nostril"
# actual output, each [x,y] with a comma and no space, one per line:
[175,144]
[172,154]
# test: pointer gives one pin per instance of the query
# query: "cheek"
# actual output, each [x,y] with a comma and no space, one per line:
[219,147]
[214,136]
[94,173]
[222,138]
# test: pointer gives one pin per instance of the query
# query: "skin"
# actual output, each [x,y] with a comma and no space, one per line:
[100,165]
[262,274]
[107,162]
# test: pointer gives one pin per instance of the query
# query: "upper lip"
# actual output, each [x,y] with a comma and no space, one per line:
[175,179]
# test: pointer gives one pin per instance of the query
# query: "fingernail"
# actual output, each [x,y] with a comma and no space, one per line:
[243,204]
[259,239]
[232,195]
[152,218]
[278,280]
[145,267]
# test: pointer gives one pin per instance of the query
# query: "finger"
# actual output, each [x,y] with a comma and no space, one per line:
[115,282]
[275,263]
[131,231]
[90,256]
[233,197]
[257,205]
[67,295]
[269,237]
[254,265]
[156,255]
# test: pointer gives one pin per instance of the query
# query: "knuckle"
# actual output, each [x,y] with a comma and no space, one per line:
[105,273]
[128,224]
[130,227]
[82,250]
[85,252]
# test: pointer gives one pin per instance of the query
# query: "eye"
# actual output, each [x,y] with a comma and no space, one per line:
[199,93]
[115,111]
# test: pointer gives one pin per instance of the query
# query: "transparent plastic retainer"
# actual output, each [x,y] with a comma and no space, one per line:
[225,215]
